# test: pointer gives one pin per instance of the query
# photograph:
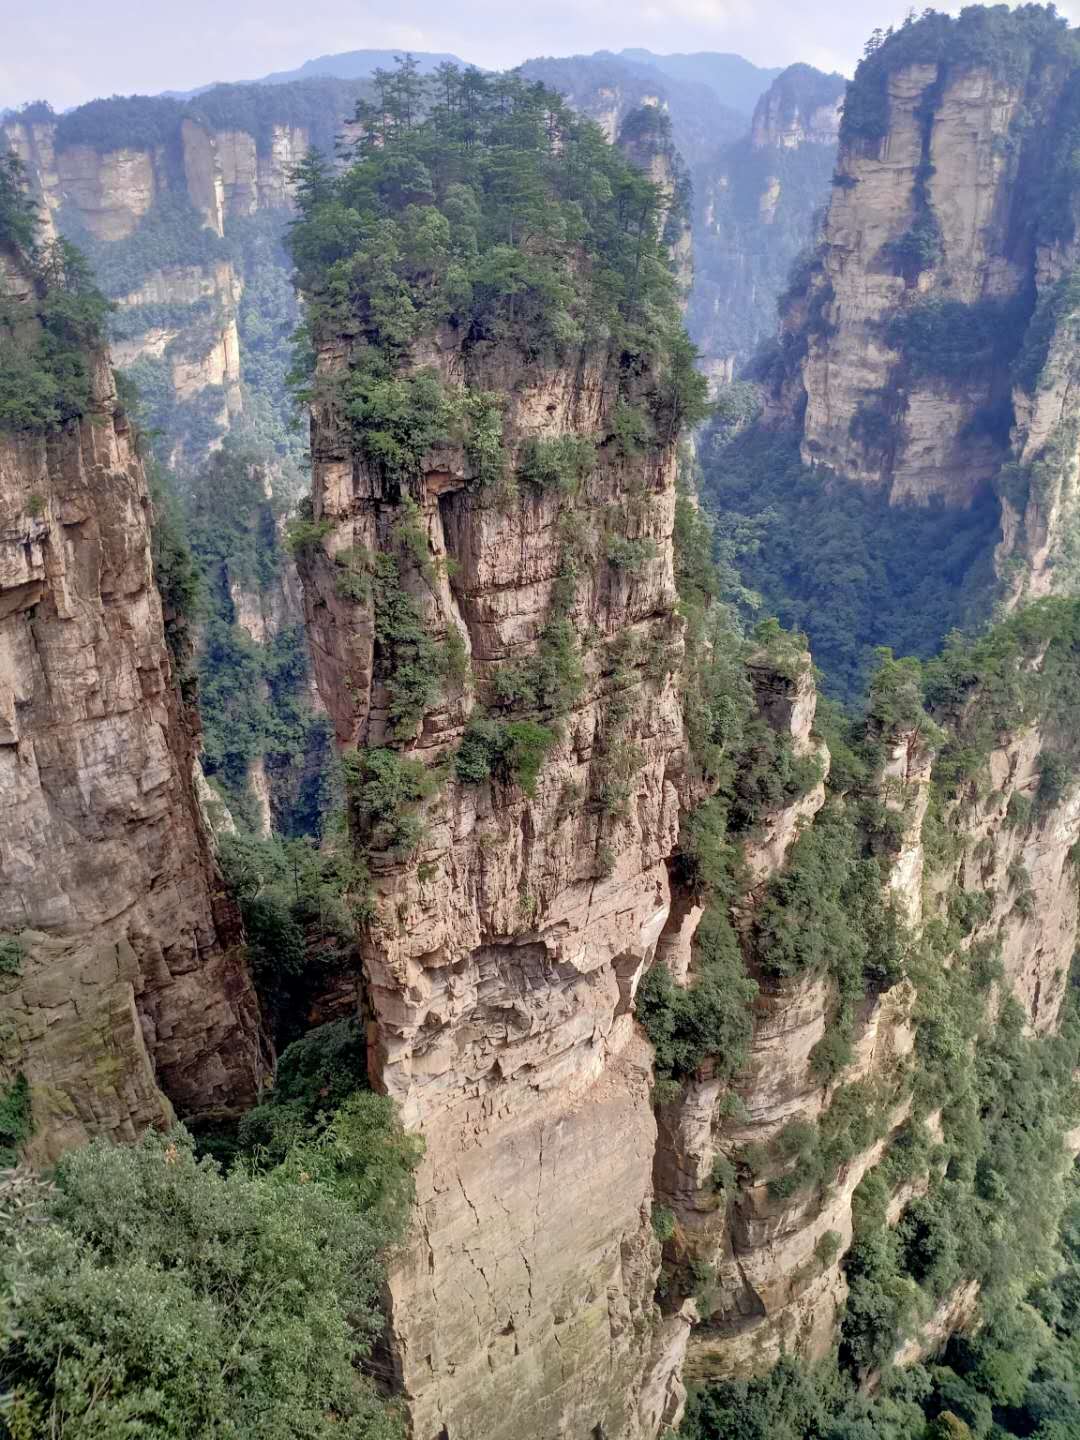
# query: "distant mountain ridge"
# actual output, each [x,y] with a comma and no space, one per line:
[736,82]
[348,65]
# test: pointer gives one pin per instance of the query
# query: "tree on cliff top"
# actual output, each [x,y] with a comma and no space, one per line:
[481,202]
[1007,42]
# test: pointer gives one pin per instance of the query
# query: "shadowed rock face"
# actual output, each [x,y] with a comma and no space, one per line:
[133,999]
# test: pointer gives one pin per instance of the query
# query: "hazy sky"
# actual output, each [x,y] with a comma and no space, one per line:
[68,51]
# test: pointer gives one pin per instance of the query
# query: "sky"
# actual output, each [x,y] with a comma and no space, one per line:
[69,51]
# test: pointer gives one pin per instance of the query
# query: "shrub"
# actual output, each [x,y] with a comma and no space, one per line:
[159,1294]
[560,462]
[1057,772]
[12,955]
[663,1223]
[385,787]
[512,749]
[828,1248]
[16,1120]
[1019,811]
[711,1017]
[629,555]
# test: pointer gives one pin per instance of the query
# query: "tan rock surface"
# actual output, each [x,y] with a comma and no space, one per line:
[131,959]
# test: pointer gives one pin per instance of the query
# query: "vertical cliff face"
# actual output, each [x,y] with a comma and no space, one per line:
[757,1171]
[932,338]
[520,895]
[127,997]
[754,206]
[502,965]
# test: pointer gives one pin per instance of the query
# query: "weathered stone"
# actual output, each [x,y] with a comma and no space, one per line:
[106,870]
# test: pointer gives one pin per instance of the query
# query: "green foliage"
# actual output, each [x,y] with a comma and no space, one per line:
[408,657]
[550,680]
[1057,774]
[156,1294]
[481,203]
[953,340]
[1019,811]
[18,216]
[123,122]
[1055,304]
[16,1119]
[559,462]
[628,555]
[12,955]
[824,912]
[709,1018]
[302,905]
[663,1223]
[320,1120]
[395,419]
[842,564]
[508,749]
[1006,42]
[48,339]
[383,789]
[922,247]
[1016,674]
[304,536]
[171,233]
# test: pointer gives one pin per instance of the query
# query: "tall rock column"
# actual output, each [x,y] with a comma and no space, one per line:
[125,997]
[506,950]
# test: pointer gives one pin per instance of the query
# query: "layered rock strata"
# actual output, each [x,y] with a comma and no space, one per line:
[930,349]
[502,966]
[129,1000]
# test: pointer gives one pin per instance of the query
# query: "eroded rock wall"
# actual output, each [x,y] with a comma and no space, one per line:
[131,1000]
[760,1270]
[946,222]
[503,962]
[755,201]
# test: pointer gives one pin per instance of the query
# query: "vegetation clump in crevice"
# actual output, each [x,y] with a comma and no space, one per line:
[49,338]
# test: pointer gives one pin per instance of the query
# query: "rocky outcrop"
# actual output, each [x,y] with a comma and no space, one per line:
[929,350]
[953,125]
[761,1260]
[800,107]
[129,1000]
[502,965]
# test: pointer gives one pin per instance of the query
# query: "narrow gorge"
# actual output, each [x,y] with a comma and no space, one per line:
[588,1018]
